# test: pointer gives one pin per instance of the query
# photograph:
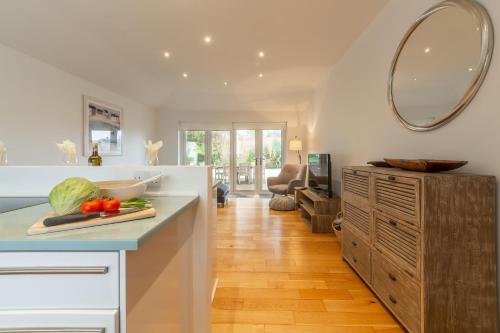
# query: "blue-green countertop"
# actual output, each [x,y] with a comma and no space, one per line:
[113,237]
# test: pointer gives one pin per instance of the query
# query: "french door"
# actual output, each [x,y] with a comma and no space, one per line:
[243,155]
[259,153]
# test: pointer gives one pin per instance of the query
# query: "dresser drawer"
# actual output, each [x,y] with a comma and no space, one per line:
[396,240]
[358,219]
[357,253]
[398,291]
[55,280]
[398,196]
[356,186]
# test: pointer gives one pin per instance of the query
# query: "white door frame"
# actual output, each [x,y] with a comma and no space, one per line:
[232,127]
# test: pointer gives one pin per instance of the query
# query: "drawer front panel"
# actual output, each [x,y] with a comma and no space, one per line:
[55,280]
[397,290]
[357,183]
[399,196]
[59,321]
[357,253]
[396,240]
[357,218]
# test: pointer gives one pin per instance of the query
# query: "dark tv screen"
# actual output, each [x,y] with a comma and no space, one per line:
[320,173]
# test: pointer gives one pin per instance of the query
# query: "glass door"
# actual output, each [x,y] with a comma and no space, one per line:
[195,143]
[272,155]
[246,160]
[220,155]
[259,154]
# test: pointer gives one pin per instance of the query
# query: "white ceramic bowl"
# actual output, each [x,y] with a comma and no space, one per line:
[121,189]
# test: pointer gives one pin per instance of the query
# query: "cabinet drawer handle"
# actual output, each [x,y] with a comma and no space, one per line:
[393,223]
[354,172]
[52,270]
[354,243]
[392,277]
[354,259]
[392,299]
[391,178]
[53,330]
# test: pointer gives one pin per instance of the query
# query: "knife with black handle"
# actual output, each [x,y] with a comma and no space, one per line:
[58,220]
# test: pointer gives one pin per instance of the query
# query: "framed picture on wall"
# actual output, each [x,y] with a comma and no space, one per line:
[102,124]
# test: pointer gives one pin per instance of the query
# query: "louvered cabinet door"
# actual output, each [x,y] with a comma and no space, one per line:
[399,242]
[356,187]
[358,219]
[398,196]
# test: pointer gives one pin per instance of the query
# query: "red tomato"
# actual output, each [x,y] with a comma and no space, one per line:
[111,205]
[93,206]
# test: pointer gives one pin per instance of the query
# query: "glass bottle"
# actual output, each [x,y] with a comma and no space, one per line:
[95,159]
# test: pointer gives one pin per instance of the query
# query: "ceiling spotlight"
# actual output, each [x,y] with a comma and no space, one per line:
[261,75]
[225,83]
[261,54]
[427,50]
[471,69]
[184,75]
[166,54]
[207,39]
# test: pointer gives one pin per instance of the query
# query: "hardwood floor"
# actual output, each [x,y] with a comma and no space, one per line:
[275,276]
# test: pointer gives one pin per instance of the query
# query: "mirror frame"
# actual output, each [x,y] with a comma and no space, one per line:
[487,45]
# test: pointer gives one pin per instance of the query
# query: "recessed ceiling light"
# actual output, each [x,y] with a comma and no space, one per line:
[471,69]
[207,39]
[225,83]
[261,54]
[261,75]
[185,75]
[166,54]
[427,50]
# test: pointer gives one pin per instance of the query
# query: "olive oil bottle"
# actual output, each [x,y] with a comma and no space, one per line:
[95,159]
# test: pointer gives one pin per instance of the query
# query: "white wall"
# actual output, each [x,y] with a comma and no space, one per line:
[41,105]
[168,126]
[351,117]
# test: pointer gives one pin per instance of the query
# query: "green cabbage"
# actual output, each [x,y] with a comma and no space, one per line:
[67,197]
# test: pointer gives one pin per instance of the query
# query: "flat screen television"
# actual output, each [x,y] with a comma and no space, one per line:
[320,174]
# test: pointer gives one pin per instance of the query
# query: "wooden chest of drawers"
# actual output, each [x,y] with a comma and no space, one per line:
[426,245]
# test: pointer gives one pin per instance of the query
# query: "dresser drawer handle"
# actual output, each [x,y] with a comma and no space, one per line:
[53,330]
[392,299]
[391,178]
[393,223]
[354,259]
[354,172]
[52,270]
[354,243]
[392,277]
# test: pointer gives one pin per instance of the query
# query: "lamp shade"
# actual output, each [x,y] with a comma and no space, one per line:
[295,144]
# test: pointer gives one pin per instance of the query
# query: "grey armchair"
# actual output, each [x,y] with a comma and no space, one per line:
[291,176]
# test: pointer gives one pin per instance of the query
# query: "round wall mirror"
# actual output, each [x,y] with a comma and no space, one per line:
[440,64]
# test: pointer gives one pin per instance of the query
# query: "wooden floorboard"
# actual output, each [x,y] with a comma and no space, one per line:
[275,276]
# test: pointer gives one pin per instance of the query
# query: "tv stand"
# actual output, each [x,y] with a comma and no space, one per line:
[317,212]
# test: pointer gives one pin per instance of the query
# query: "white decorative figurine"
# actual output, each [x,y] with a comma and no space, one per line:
[69,149]
[3,154]
[152,150]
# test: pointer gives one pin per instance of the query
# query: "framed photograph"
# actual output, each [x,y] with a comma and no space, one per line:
[102,124]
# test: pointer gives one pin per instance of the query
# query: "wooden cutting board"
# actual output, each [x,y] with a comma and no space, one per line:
[38,228]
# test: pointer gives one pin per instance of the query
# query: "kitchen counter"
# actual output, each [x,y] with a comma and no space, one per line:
[127,236]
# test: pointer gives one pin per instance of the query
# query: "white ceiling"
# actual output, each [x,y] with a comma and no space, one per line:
[118,44]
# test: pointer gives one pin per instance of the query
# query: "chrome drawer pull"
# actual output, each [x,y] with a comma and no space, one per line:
[52,330]
[392,299]
[391,178]
[52,270]
[392,277]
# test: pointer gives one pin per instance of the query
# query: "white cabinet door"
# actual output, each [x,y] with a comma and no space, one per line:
[59,321]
